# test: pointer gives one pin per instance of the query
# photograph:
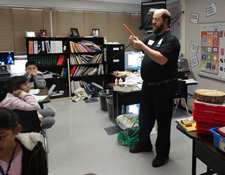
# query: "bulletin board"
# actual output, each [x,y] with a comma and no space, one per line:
[211,58]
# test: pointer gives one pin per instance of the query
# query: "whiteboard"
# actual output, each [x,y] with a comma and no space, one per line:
[212,50]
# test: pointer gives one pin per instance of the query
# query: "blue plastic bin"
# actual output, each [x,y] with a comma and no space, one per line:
[218,140]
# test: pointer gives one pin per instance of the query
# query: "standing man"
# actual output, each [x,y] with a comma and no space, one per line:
[159,72]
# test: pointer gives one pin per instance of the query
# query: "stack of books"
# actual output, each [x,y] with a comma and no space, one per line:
[83,46]
[208,115]
[85,59]
[187,124]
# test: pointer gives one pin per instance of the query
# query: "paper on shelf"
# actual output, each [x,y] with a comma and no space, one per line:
[189,81]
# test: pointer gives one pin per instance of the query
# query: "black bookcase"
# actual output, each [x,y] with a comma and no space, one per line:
[61,55]
[86,56]
[50,54]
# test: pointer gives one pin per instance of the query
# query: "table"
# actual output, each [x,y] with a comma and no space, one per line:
[44,91]
[124,98]
[133,97]
[204,149]
[188,82]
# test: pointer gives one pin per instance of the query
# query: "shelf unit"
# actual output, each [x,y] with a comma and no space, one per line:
[86,57]
[71,58]
[50,54]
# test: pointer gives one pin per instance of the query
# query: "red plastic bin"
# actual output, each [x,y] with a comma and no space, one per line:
[209,106]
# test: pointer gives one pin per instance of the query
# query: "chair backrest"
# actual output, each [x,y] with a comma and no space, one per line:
[29,120]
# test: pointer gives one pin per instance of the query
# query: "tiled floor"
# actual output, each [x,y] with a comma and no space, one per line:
[79,143]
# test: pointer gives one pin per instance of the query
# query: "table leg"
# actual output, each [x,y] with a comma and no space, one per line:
[193,159]
[117,105]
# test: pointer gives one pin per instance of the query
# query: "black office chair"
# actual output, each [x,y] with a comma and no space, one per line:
[180,96]
[29,121]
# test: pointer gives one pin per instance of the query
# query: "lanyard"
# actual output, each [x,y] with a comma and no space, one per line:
[10,162]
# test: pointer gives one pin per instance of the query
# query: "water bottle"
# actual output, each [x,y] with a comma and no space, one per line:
[116,82]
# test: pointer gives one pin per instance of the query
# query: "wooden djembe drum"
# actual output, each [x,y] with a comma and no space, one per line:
[210,96]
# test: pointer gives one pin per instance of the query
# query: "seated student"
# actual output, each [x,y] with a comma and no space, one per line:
[35,77]
[36,80]
[16,96]
[20,153]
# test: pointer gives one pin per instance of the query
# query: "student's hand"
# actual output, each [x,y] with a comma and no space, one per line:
[17,92]
[41,121]
[34,72]
[30,75]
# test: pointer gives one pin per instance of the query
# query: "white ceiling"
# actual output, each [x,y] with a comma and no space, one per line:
[118,1]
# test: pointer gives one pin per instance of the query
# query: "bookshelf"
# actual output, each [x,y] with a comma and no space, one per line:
[70,59]
[51,57]
[86,56]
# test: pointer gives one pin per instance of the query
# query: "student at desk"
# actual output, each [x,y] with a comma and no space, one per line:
[15,96]
[159,74]
[35,78]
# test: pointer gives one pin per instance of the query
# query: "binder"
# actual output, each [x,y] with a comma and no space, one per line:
[64,72]
[35,47]
[72,70]
[31,47]
[60,60]
[39,46]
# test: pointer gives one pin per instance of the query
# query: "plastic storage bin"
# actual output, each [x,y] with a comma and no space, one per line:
[103,94]
[110,106]
[208,115]
[218,140]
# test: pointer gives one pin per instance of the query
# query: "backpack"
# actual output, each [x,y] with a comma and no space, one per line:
[129,136]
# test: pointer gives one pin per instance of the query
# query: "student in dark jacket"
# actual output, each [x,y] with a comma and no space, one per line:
[20,153]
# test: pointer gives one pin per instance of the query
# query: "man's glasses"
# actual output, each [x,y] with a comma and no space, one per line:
[155,19]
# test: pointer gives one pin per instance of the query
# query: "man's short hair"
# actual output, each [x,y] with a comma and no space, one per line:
[28,63]
[166,15]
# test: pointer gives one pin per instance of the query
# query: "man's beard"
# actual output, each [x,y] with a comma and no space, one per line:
[159,29]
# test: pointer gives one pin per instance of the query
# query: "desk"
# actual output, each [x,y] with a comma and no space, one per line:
[204,149]
[124,98]
[133,97]
[44,91]
[188,82]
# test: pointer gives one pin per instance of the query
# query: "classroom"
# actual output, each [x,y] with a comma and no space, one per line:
[88,54]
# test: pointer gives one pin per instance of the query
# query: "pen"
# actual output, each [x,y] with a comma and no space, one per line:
[128,29]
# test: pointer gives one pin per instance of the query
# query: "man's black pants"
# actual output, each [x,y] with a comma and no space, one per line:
[156,103]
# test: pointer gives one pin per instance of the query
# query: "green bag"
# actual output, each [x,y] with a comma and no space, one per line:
[129,136]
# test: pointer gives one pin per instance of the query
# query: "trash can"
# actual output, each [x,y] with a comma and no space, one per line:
[110,106]
[103,93]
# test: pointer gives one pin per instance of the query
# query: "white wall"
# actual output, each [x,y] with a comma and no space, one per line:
[193,34]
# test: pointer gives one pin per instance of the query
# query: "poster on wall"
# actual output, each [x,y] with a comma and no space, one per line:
[210,51]
[212,46]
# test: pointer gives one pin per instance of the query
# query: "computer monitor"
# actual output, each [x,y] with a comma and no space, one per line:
[133,60]
[7,58]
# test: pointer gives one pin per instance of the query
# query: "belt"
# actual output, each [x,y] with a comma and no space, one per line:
[162,82]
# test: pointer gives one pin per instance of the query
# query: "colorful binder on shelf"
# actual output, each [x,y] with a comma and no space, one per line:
[72,70]
[60,60]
